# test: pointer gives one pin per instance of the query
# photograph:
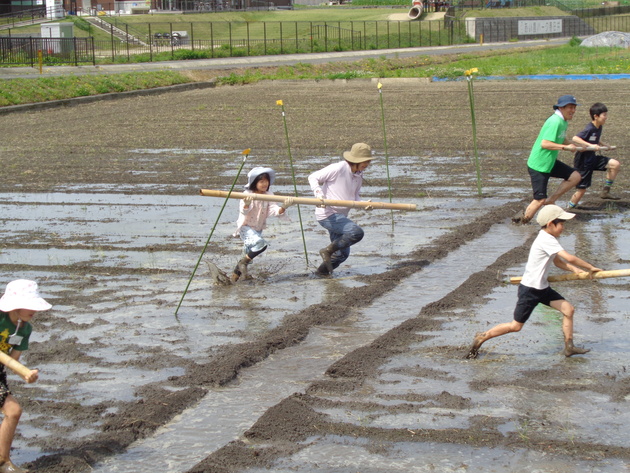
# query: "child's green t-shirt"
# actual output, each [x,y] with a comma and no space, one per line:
[7,328]
[555,130]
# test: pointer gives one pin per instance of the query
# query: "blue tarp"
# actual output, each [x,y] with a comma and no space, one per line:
[544,77]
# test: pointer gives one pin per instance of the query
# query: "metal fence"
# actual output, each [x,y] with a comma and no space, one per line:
[50,51]
[196,40]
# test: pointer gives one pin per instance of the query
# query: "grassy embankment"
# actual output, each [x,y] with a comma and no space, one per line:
[569,59]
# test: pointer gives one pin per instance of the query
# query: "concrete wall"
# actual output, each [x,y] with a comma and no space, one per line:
[524,28]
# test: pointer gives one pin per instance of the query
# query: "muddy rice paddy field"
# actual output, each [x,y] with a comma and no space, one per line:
[363,372]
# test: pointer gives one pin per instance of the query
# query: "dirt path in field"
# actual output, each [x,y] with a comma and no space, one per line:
[120,147]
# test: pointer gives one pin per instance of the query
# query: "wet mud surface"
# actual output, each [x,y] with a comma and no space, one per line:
[100,205]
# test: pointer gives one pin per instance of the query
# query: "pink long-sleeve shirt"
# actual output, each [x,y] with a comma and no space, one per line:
[337,182]
[256,215]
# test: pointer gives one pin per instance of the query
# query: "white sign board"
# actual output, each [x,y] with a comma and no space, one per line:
[526,27]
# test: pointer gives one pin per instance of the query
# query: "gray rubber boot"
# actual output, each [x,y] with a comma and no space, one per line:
[607,195]
[326,254]
[240,271]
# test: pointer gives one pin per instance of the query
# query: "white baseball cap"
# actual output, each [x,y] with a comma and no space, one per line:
[551,212]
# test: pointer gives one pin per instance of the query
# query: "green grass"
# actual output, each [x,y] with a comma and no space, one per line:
[22,91]
[567,59]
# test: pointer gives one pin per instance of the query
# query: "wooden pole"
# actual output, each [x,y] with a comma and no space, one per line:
[616,273]
[14,365]
[309,201]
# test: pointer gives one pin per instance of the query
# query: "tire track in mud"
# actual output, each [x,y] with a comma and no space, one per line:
[157,406]
[284,429]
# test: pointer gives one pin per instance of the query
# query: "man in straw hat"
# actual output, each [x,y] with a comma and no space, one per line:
[534,287]
[543,163]
[18,305]
[340,181]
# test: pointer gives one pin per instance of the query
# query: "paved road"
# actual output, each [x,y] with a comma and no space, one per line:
[261,61]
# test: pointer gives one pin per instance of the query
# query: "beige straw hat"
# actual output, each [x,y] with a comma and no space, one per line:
[359,153]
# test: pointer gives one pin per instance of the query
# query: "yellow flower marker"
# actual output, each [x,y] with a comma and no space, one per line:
[379,86]
[471,96]
[295,191]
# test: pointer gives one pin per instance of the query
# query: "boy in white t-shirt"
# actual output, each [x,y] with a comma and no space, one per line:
[535,289]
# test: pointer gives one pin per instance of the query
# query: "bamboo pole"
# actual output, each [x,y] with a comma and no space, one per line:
[616,273]
[14,365]
[309,201]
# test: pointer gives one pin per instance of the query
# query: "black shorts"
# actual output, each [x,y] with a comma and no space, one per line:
[541,179]
[4,387]
[600,163]
[529,298]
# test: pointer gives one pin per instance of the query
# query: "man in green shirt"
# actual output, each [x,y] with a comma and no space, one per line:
[543,163]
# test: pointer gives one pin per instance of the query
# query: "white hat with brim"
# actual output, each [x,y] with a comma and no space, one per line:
[549,213]
[22,294]
[257,171]
[359,153]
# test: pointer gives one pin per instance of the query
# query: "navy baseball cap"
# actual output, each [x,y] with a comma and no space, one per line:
[564,101]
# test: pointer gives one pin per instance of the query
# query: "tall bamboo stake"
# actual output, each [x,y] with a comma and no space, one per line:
[389,182]
[245,153]
[614,273]
[471,97]
[286,134]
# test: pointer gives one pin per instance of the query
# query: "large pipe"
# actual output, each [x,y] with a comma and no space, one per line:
[309,201]
[416,10]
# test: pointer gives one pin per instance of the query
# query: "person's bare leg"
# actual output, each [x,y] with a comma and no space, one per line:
[570,183]
[12,413]
[531,210]
[575,198]
[612,169]
[567,311]
[495,331]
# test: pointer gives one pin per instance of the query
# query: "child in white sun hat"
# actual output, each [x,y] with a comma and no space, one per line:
[18,305]
[252,217]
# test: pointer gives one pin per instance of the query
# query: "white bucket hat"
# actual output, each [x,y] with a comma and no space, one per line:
[22,294]
[257,171]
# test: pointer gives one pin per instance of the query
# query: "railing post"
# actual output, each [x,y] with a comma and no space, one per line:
[150,44]
[311,36]
[352,34]
[127,38]
[211,40]
[247,24]
[192,37]
[281,48]
[297,45]
[112,41]
[230,30]
[265,37]
[364,43]
[339,35]
[93,51]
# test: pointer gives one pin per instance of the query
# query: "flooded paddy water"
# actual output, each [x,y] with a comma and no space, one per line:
[364,371]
